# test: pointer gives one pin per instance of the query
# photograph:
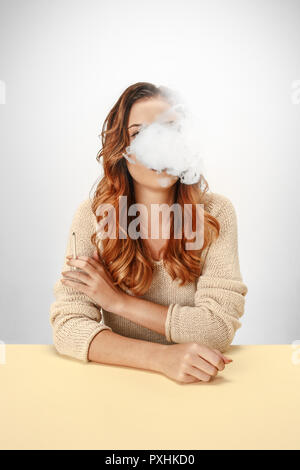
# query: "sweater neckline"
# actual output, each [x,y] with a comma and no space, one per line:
[158,262]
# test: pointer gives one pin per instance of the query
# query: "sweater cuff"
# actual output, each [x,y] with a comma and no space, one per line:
[168,322]
[89,340]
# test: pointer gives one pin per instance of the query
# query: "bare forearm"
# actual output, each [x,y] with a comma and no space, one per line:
[108,347]
[144,312]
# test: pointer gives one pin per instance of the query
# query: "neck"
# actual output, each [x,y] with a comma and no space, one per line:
[148,196]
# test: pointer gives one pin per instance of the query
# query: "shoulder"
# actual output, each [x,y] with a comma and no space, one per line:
[219,206]
[84,214]
[84,207]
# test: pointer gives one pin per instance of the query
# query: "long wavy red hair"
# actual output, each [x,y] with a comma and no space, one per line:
[128,261]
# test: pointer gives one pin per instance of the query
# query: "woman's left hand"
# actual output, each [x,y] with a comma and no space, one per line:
[98,284]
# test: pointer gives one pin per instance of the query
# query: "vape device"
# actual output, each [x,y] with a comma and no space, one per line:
[74,250]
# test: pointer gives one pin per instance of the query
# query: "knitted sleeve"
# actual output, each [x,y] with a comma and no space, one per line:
[220,296]
[74,317]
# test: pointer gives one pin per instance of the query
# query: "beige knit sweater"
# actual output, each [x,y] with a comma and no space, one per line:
[206,311]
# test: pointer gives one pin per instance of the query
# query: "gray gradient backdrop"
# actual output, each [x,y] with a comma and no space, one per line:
[63,64]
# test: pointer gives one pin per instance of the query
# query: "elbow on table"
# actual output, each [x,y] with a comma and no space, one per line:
[220,342]
[66,349]
[72,337]
[212,325]
[72,331]
[216,335]
[223,344]
[58,347]
[67,340]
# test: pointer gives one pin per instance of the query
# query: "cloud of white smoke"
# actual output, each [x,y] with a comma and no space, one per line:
[172,143]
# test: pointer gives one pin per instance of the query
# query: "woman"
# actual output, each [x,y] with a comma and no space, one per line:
[164,308]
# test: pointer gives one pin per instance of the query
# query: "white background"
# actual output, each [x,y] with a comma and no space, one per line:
[64,63]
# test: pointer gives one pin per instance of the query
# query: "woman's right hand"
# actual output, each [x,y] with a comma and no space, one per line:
[191,362]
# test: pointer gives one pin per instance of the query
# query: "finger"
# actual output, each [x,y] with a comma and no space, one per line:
[91,260]
[96,256]
[212,357]
[98,266]
[75,285]
[227,359]
[188,379]
[205,366]
[220,354]
[77,275]
[199,374]
[85,264]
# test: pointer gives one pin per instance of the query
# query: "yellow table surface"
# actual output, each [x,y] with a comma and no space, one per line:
[53,402]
